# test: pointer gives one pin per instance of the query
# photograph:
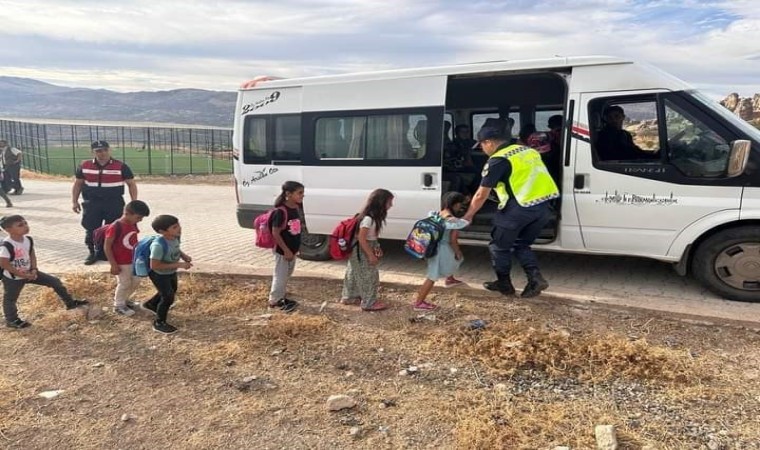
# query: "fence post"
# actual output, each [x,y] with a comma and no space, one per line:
[150,158]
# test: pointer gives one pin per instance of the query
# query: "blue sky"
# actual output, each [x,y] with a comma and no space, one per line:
[134,45]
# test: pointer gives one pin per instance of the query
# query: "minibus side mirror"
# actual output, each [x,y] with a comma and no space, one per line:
[737,159]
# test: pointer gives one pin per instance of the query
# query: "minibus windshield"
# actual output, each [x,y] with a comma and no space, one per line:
[751,131]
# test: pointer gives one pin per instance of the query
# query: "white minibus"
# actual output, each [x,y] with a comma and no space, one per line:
[693,200]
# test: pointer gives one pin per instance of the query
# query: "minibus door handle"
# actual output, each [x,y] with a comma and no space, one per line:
[427,179]
[580,181]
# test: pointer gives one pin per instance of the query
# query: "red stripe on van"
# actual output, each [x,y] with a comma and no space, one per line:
[581,131]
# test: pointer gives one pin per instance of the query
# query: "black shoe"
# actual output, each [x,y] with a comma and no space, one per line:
[163,327]
[505,288]
[152,308]
[18,324]
[536,284]
[285,305]
[76,304]
[18,191]
[90,260]
[9,205]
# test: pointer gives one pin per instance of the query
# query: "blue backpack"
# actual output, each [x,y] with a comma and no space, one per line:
[141,256]
[423,240]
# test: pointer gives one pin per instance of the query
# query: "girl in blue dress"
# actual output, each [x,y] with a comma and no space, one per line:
[449,257]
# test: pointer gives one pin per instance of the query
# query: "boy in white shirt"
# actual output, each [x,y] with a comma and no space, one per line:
[19,264]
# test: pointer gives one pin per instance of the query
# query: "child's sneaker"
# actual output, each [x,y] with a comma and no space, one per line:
[377,306]
[453,282]
[124,311]
[18,324]
[76,304]
[424,306]
[285,304]
[163,327]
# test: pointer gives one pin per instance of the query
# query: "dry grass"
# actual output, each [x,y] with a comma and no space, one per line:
[506,348]
[519,383]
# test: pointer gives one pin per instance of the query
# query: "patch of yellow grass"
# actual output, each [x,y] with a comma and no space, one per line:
[489,420]
[505,348]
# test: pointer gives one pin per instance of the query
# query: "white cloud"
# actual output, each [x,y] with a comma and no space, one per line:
[148,45]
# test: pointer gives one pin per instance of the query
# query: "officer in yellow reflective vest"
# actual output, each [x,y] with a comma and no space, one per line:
[524,187]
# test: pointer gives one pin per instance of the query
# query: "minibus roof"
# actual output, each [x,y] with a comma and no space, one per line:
[453,70]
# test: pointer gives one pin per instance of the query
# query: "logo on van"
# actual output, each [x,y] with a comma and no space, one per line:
[271,98]
[260,175]
[634,199]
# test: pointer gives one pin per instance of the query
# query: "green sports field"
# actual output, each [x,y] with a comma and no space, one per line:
[63,161]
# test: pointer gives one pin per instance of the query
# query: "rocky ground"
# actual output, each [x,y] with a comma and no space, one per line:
[539,374]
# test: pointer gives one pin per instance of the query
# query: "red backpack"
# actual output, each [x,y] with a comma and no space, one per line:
[343,238]
[263,227]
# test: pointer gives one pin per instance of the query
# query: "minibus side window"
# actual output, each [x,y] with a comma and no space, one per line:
[287,138]
[626,130]
[695,149]
[255,140]
[371,137]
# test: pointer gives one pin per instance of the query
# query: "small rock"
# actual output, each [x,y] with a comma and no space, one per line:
[383,429]
[98,364]
[380,350]
[323,306]
[412,369]
[338,402]
[127,417]
[605,437]
[276,352]
[73,327]
[229,363]
[355,431]
[348,374]
[453,370]
[387,403]
[403,373]
[51,394]
[93,313]
[458,306]
[249,379]
[152,347]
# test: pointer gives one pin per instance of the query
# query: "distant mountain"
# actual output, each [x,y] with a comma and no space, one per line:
[28,98]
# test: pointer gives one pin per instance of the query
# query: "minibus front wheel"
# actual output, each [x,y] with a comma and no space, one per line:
[315,247]
[728,263]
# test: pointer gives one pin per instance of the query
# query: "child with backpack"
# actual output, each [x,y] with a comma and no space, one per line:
[285,222]
[19,265]
[165,258]
[362,277]
[118,245]
[448,258]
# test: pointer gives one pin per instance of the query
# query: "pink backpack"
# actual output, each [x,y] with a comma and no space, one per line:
[263,227]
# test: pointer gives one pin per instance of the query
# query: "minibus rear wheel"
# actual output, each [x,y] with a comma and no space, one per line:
[315,247]
[728,263]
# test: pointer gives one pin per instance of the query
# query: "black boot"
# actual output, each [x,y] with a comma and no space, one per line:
[502,284]
[91,258]
[536,284]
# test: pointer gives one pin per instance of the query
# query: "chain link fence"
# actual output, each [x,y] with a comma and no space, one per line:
[57,147]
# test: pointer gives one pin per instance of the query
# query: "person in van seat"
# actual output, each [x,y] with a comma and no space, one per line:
[613,143]
[524,188]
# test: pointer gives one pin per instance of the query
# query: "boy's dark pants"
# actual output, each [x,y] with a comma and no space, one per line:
[167,288]
[13,290]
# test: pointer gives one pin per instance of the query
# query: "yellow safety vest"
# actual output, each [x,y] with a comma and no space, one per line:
[530,180]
